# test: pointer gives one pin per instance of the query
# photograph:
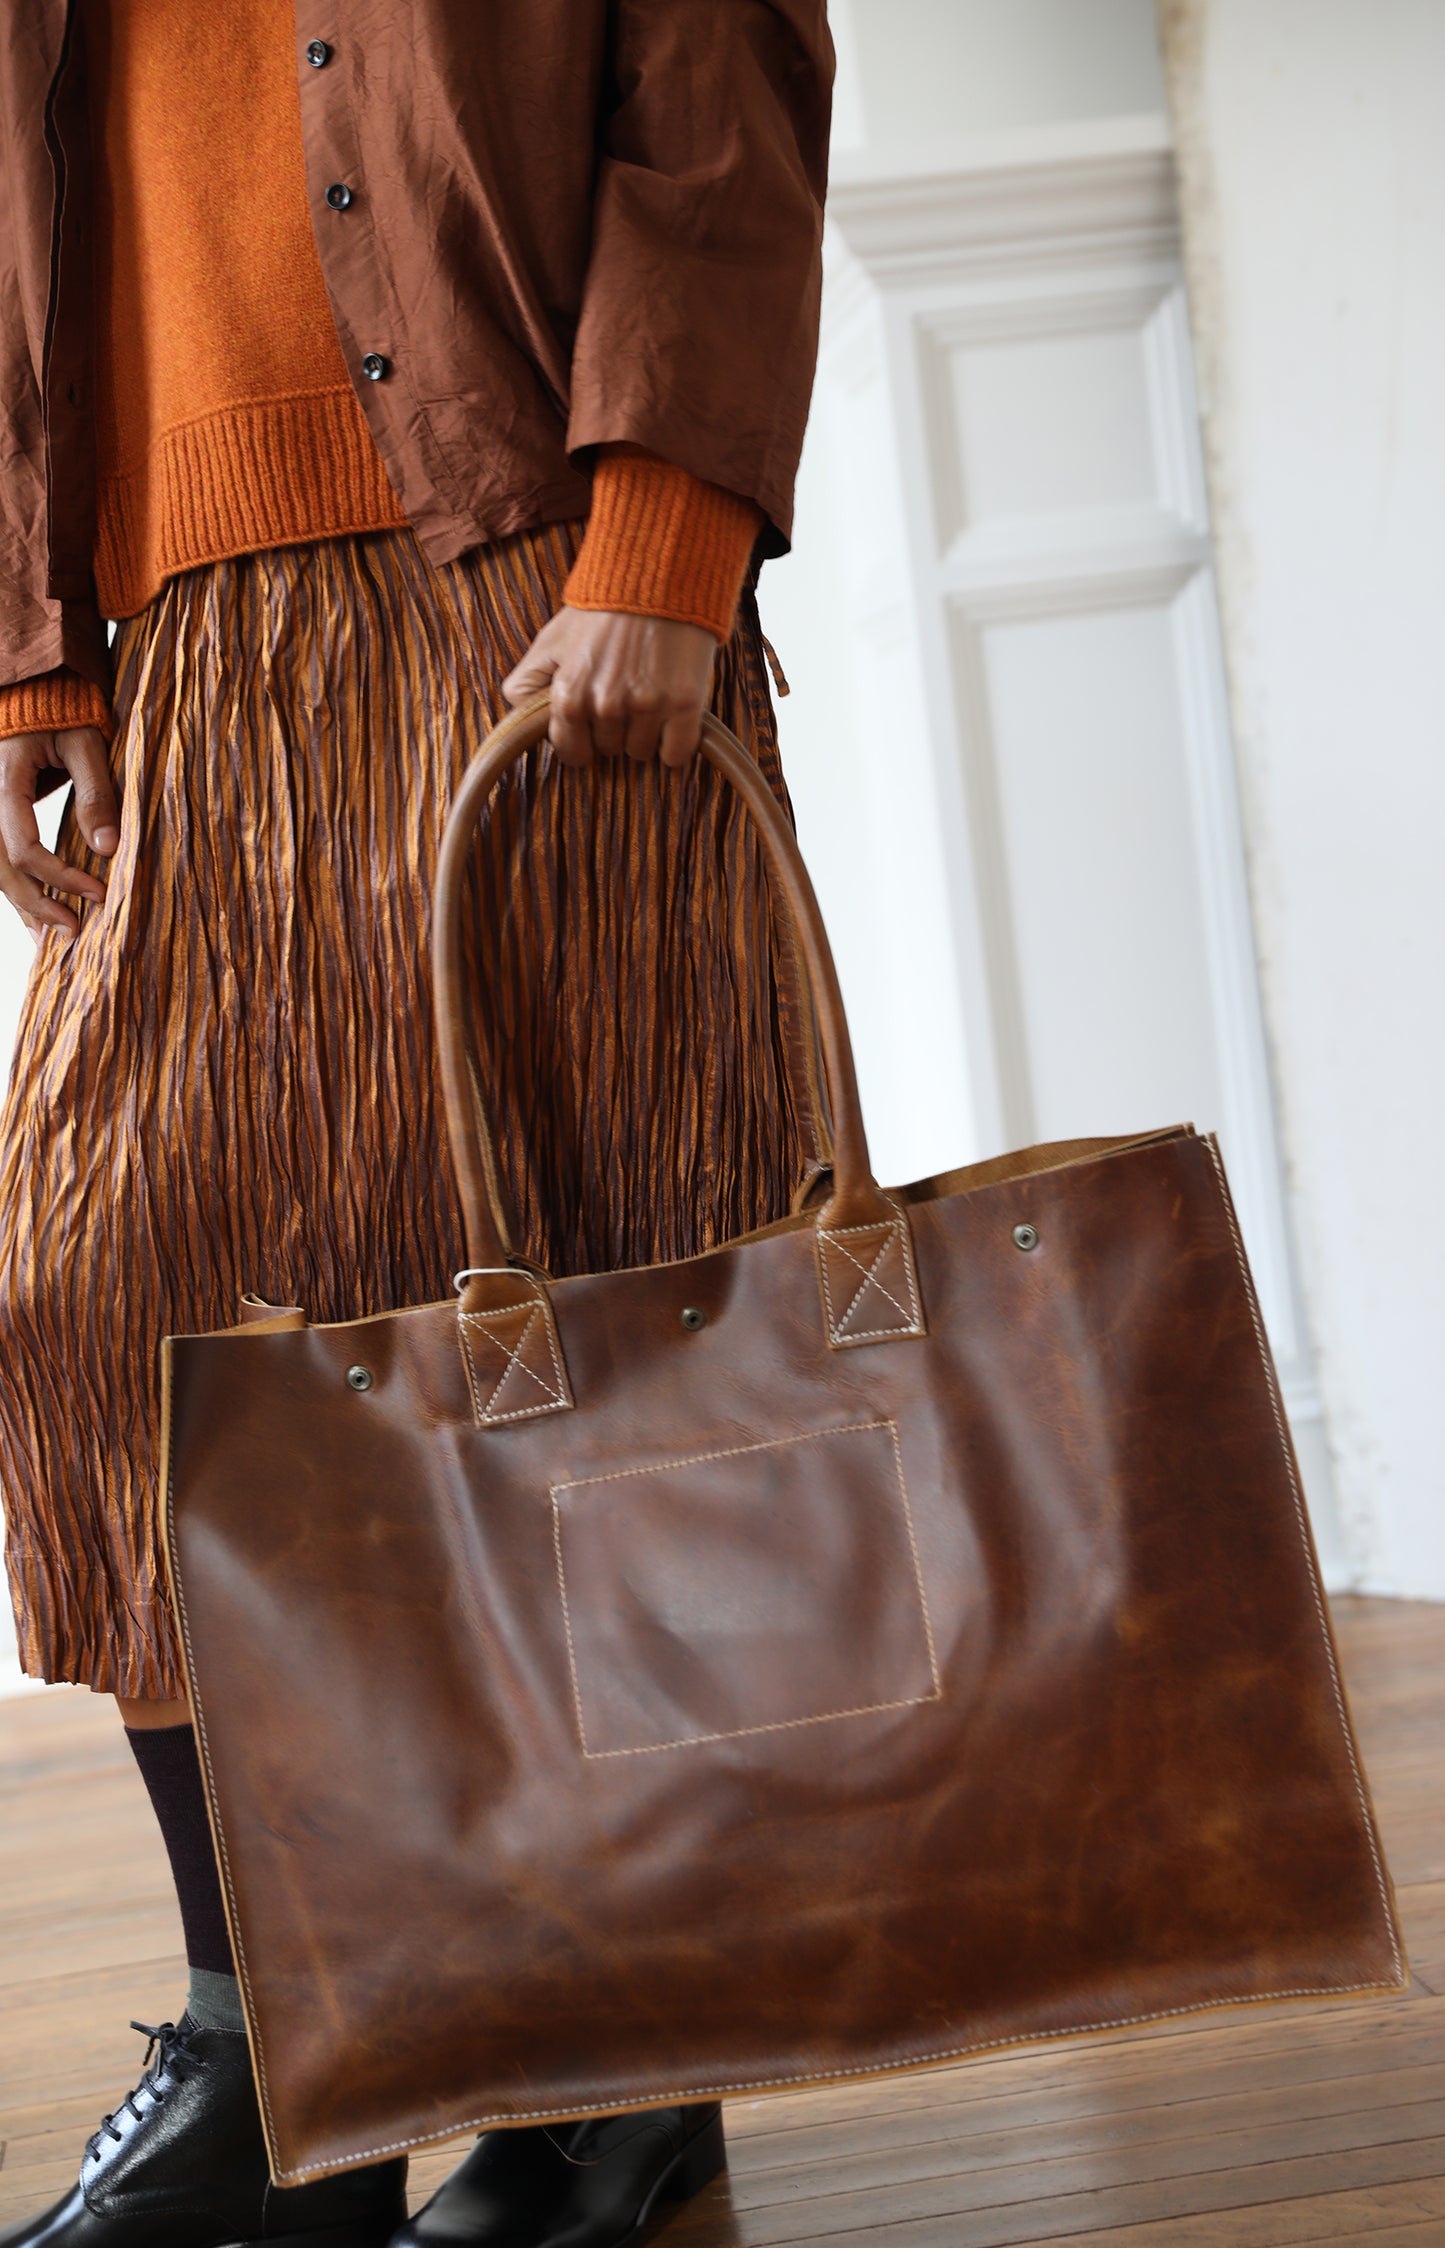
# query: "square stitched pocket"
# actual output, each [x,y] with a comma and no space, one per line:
[737,1592]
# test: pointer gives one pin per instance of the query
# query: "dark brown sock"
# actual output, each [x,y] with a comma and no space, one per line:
[171,1769]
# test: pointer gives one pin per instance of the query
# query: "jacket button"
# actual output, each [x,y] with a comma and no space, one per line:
[317,53]
[373,366]
[338,195]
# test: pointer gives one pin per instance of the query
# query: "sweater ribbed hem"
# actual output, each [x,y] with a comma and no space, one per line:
[662,543]
[272,473]
[279,472]
[56,698]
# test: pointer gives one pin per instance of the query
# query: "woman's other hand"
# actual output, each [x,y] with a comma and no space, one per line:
[622,686]
[25,864]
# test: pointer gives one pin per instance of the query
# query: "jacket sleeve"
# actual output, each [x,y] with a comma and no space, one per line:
[699,326]
[37,633]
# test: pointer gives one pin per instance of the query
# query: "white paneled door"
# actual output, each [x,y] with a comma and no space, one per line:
[1054,936]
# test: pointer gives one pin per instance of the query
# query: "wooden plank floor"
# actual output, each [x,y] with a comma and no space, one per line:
[1272,2127]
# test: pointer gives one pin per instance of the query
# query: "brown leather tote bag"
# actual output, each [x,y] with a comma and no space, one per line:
[888,1636]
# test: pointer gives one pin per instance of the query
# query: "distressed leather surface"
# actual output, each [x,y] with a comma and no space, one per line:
[787,1701]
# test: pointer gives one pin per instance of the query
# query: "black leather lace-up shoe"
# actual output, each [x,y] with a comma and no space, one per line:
[182,2164]
[571,2185]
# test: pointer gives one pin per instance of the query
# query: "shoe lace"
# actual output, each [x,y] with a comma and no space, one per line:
[173,2061]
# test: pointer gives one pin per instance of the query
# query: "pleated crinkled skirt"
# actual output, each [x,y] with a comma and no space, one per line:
[227,1081]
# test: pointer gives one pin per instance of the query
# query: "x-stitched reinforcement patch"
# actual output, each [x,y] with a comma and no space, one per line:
[870,1288]
[513,1361]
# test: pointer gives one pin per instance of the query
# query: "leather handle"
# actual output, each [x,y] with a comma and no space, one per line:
[855,1198]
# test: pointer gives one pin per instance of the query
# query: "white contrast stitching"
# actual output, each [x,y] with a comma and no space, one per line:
[846,1232]
[478,1414]
[898,1226]
[898,1230]
[782,1724]
[730,1452]
[483,1413]
[504,1311]
[803,2079]
[514,1363]
[557,1399]
[567,1617]
[870,1274]
[746,1732]
[892,1427]
[1302,1523]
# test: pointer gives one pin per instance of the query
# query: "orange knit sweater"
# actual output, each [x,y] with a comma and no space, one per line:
[226,420]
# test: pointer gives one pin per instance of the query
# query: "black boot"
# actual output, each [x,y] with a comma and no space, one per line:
[571,2185]
[182,2164]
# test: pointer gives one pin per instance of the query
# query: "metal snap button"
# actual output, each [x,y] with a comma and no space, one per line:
[374,367]
[1026,1237]
[359,1377]
[693,1318]
[317,53]
[338,195]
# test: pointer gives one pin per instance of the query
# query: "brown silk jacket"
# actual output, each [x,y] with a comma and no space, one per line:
[572,222]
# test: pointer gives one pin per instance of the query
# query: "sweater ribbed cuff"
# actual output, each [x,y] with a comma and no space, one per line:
[662,543]
[56,698]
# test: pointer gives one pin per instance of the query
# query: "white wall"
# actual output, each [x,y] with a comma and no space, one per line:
[1313,180]
[919,77]
[927,89]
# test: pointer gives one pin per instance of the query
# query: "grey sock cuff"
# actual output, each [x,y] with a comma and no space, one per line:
[214,2001]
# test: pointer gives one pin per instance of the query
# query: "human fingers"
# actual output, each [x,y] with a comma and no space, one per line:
[549,666]
[533,673]
[569,725]
[645,716]
[612,715]
[35,907]
[590,689]
[25,864]
[681,734]
[643,681]
[82,752]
